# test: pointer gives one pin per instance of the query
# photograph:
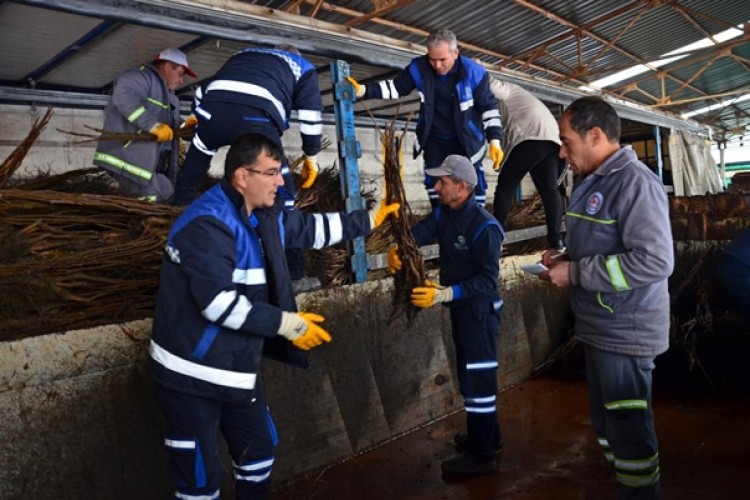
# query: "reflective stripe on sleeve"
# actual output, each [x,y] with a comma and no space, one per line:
[335,228]
[136,114]
[616,277]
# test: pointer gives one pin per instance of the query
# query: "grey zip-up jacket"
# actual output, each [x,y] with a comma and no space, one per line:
[621,252]
[140,99]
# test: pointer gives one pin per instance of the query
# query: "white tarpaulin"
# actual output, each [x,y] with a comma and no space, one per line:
[694,170]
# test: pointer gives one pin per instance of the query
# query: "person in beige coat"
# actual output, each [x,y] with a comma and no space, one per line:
[531,144]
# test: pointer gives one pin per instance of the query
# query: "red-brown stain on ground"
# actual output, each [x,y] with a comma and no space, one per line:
[550,452]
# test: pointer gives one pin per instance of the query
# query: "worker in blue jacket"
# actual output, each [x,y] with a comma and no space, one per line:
[458,113]
[225,300]
[254,91]
[470,241]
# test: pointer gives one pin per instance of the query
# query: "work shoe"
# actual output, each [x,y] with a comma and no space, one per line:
[466,465]
[305,284]
[462,440]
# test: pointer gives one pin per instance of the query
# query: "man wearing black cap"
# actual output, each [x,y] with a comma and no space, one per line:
[470,241]
[143,100]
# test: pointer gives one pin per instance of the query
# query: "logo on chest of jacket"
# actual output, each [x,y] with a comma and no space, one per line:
[460,243]
[594,203]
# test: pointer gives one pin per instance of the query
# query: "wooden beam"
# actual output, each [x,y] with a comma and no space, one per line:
[696,75]
[417,31]
[379,11]
[689,100]
[586,27]
[625,29]
[316,8]
[294,7]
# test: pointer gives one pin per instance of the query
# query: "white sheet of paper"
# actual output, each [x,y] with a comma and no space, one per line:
[537,268]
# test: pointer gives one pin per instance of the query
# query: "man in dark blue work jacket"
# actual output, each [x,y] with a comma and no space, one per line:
[470,241]
[225,300]
[255,91]
[458,113]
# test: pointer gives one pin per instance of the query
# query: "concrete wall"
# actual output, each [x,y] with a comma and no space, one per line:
[78,419]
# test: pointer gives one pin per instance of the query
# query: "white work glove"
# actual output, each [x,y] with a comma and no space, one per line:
[430,294]
[302,329]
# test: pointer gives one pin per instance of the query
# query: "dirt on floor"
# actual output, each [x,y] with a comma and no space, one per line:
[549,447]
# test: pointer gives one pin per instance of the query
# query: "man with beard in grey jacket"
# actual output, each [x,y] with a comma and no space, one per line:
[619,257]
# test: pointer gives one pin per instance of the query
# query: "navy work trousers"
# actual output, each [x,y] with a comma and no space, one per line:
[195,426]
[476,329]
[227,122]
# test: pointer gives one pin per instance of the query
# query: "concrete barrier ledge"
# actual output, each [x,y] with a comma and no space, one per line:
[78,419]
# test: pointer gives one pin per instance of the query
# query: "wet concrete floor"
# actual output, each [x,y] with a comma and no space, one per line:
[550,452]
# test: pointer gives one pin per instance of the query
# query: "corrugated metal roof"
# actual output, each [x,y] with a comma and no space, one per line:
[81,45]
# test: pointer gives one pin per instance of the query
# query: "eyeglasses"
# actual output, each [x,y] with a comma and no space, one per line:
[271,172]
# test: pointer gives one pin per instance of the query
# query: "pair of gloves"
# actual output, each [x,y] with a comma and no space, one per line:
[496,151]
[421,296]
[303,328]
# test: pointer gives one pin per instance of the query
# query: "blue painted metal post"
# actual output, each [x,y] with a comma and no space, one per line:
[349,152]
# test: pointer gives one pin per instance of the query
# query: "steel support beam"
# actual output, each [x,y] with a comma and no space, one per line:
[242,22]
[349,152]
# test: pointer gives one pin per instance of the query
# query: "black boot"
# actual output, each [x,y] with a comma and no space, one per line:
[462,440]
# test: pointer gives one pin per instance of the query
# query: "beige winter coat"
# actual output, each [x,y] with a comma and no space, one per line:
[525,118]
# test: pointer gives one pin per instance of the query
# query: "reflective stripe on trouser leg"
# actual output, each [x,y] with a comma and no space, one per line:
[622,415]
[192,439]
[251,438]
[475,328]
[480,190]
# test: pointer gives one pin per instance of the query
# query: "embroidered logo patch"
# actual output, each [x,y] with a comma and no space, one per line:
[460,243]
[594,203]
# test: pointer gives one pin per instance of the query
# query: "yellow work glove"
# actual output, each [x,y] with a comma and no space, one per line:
[430,294]
[496,154]
[302,329]
[162,131]
[359,89]
[381,211]
[394,260]
[309,171]
[190,122]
